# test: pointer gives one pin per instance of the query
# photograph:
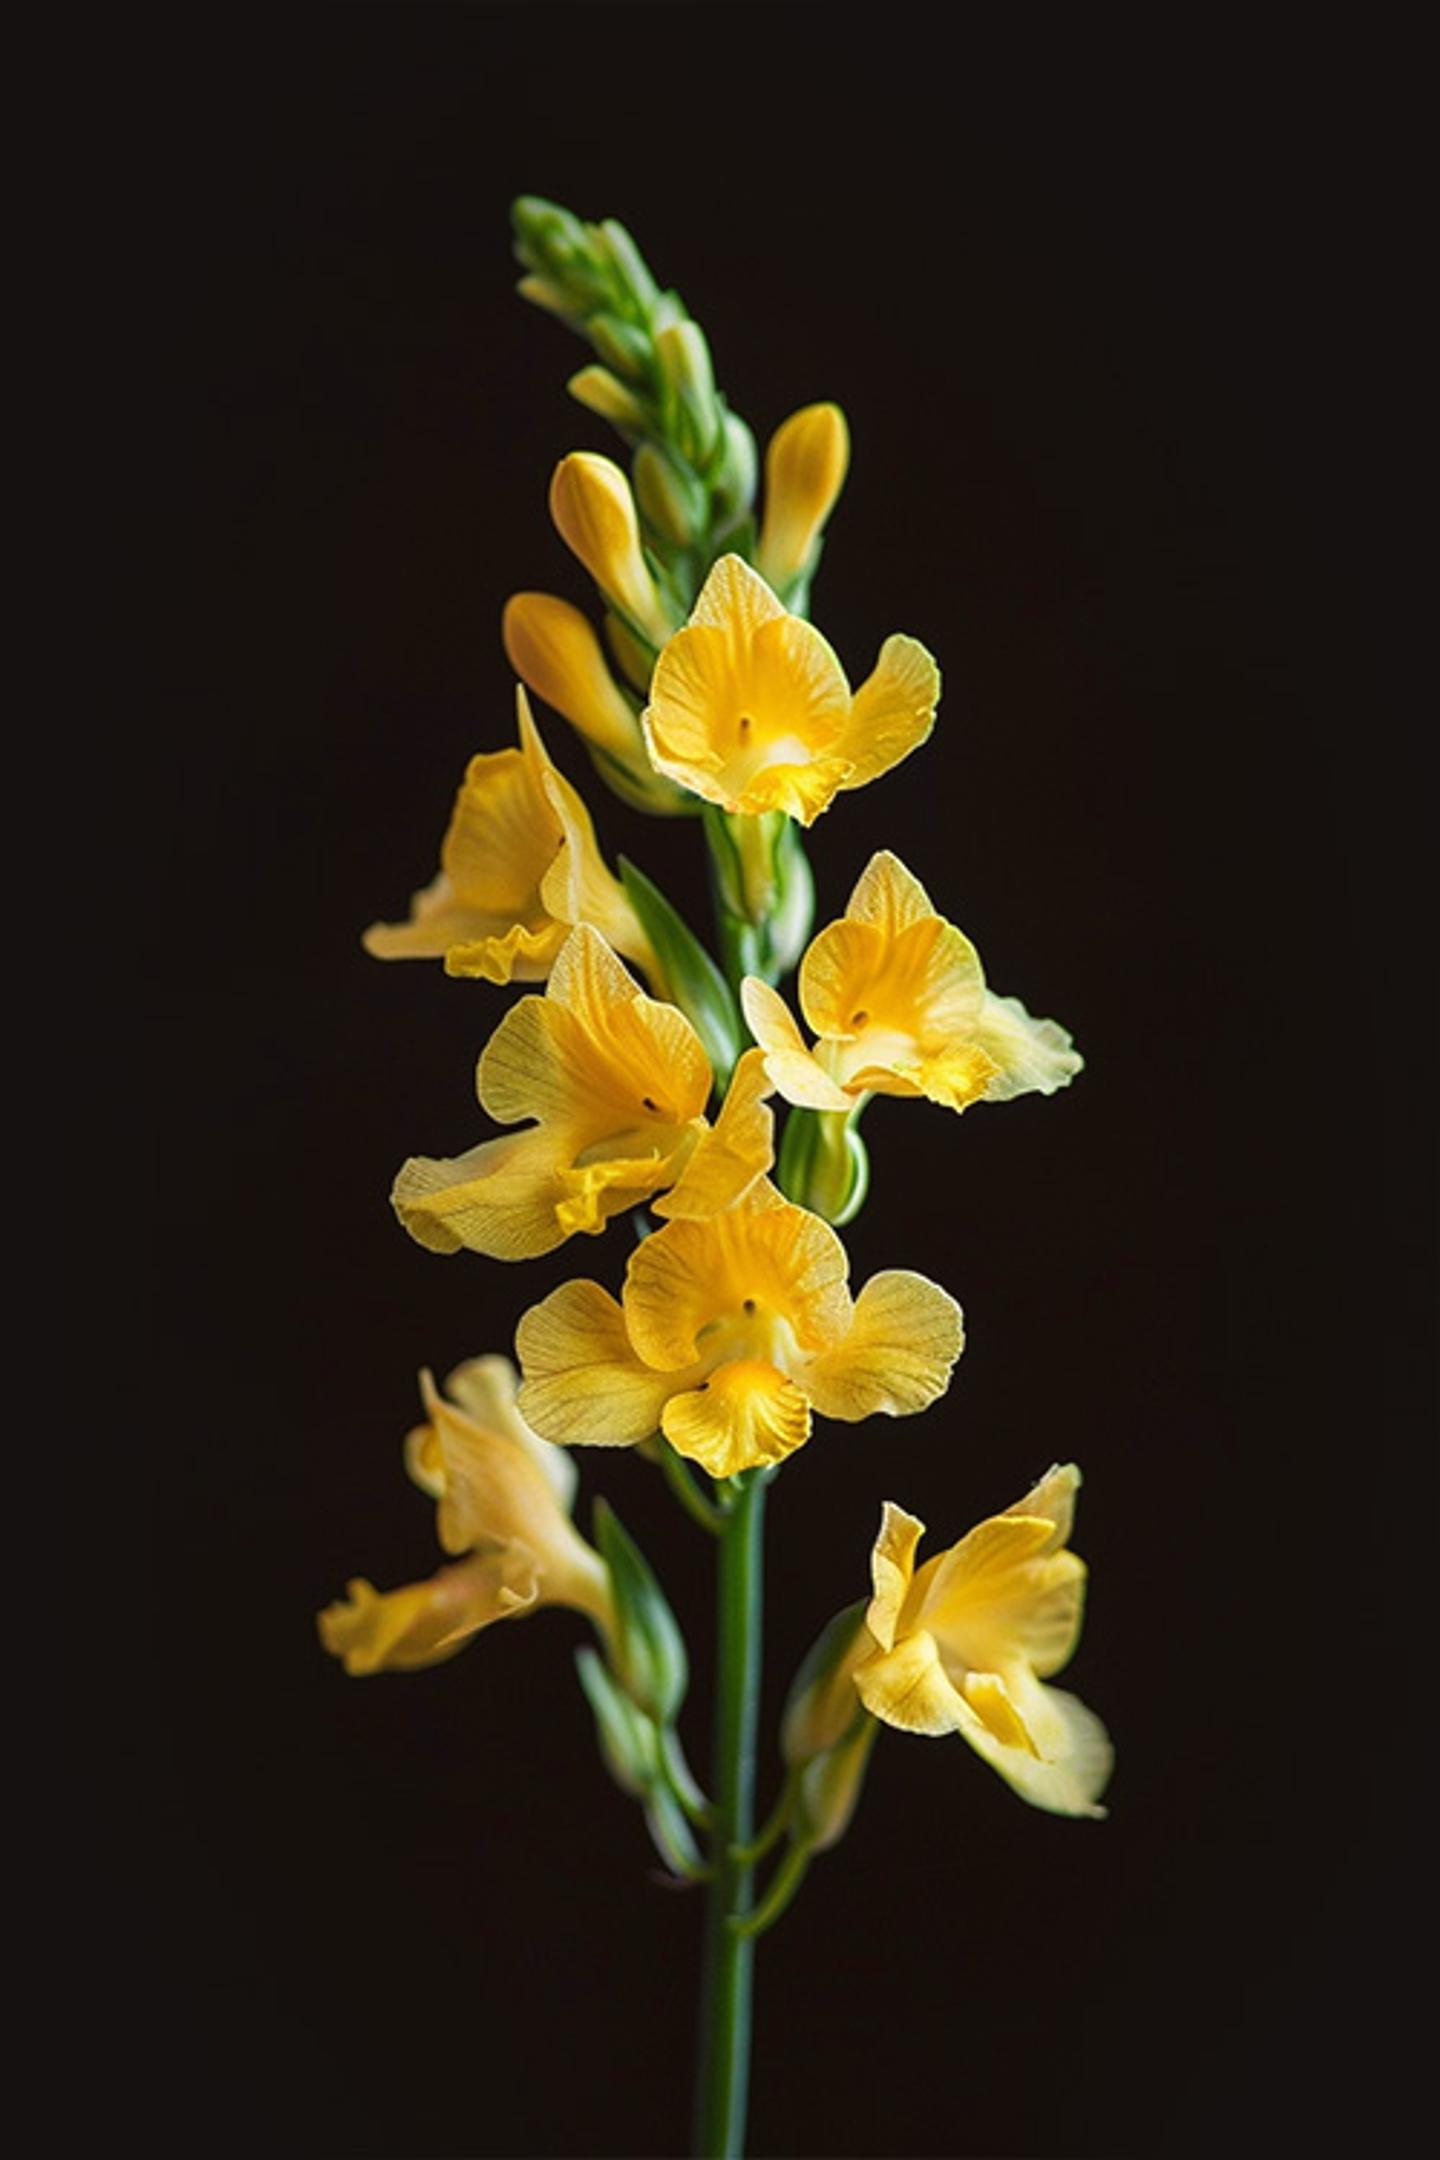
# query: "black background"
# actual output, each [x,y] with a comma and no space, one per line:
[1113,325]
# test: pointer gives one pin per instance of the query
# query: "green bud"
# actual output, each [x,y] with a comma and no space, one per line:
[794,907]
[692,979]
[824,1165]
[685,363]
[622,347]
[629,1745]
[649,790]
[733,483]
[828,1788]
[672,501]
[648,1655]
[601,392]
[634,658]
[540,292]
[821,1706]
[630,266]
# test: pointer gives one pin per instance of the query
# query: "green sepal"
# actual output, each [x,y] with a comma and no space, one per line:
[629,1744]
[693,980]
[648,1651]
[824,1164]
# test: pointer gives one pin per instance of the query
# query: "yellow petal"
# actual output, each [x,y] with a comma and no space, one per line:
[905,1336]
[503,833]
[1052,1498]
[794,1070]
[1005,1596]
[596,1191]
[584,1385]
[553,648]
[746,1414]
[1030,1056]
[893,711]
[888,896]
[760,1265]
[519,955]
[1072,1757]
[960,1076]
[498,1198]
[892,1569]
[736,1150]
[437,921]
[485,1389]
[578,888]
[425,1622]
[907,1687]
[737,600]
[912,995]
[800,790]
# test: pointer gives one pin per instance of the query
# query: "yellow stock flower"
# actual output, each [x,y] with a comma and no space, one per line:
[965,1643]
[504,1502]
[518,866]
[805,467]
[897,998]
[594,513]
[732,1331]
[750,708]
[617,1083]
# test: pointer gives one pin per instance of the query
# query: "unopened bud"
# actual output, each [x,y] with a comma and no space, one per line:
[648,1651]
[672,500]
[601,392]
[594,513]
[805,469]
[552,647]
[734,484]
[684,358]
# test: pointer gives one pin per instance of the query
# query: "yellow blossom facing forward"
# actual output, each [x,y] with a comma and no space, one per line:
[964,1644]
[805,468]
[897,999]
[750,708]
[617,1084]
[519,865]
[504,1502]
[594,513]
[731,1333]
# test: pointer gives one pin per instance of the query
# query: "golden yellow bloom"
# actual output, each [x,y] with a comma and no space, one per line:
[805,468]
[552,647]
[750,708]
[617,1083]
[504,1501]
[965,1643]
[594,514]
[897,997]
[732,1331]
[518,866]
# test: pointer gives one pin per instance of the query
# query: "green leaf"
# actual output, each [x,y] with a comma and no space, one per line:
[695,983]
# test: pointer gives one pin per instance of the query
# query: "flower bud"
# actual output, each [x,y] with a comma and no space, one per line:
[805,469]
[627,1739]
[552,647]
[734,484]
[634,658]
[828,1789]
[601,392]
[594,514]
[684,359]
[821,1706]
[824,1165]
[648,1651]
[672,501]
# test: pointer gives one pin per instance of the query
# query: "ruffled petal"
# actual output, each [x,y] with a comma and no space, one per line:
[1030,1056]
[520,954]
[1068,1760]
[584,1386]
[923,987]
[892,712]
[762,1257]
[733,1153]
[426,1622]
[437,921]
[801,790]
[499,1198]
[745,1415]
[903,1340]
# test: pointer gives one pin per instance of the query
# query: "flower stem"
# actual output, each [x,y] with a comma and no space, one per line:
[723,2076]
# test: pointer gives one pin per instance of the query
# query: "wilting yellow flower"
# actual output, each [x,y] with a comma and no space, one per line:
[750,708]
[805,467]
[732,1331]
[518,866]
[618,1085]
[552,647]
[594,514]
[504,1501]
[897,997]
[965,1643]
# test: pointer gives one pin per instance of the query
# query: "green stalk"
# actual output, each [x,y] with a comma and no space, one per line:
[723,2074]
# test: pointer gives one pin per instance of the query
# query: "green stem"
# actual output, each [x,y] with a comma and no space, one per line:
[678,1478]
[723,2079]
[783,1886]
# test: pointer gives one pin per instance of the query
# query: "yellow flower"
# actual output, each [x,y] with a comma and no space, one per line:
[805,467]
[552,647]
[504,1501]
[965,1644]
[594,514]
[732,1331]
[617,1083]
[897,997]
[518,866]
[750,708]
